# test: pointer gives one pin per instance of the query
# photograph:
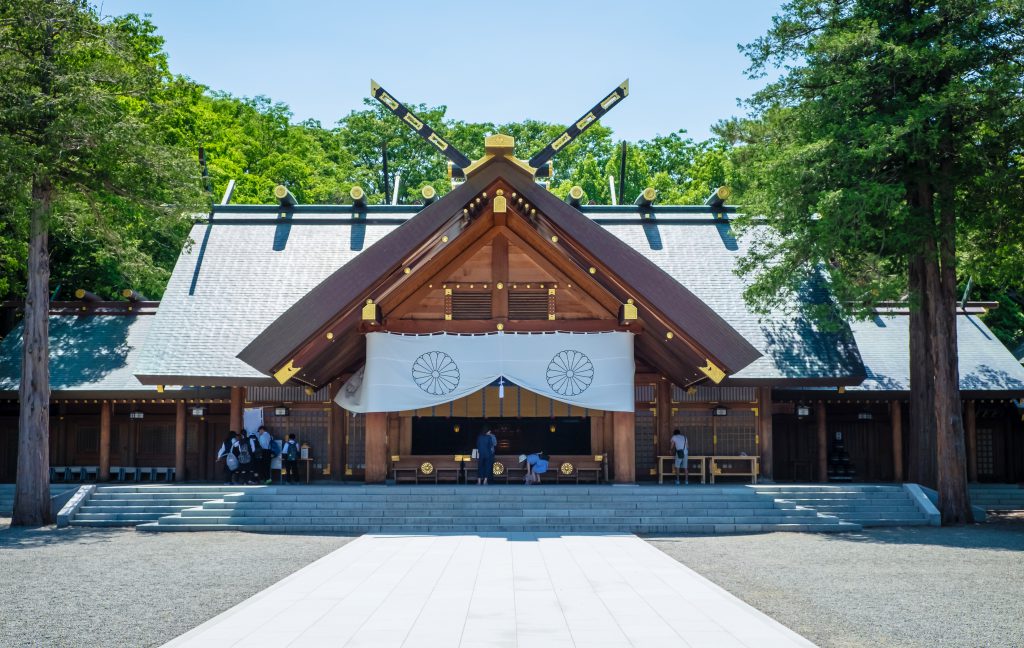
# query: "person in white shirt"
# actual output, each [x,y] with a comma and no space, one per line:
[681,446]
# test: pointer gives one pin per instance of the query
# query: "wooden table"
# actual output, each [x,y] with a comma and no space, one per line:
[308,461]
[753,465]
[666,465]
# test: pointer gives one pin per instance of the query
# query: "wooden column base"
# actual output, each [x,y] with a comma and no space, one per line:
[624,442]
[179,441]
[376,447]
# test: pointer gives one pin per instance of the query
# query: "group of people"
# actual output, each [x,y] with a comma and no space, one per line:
[251,458]
[536,463]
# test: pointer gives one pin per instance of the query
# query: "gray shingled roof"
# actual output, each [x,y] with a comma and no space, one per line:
[88,353]
[702,255]
[985,364]
[251,273]
[247,269]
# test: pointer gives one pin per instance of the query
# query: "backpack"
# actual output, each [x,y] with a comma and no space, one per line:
[244,452]
[275,448]
[293,451]
[232,461]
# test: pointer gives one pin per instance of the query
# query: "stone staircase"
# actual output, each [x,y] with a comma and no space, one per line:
[499,509]
[869,505]
[998,497]
[133,505]
[7,496]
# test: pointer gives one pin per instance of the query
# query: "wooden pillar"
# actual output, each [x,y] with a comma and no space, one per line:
[376,447]
[237,397]
[394,432]
[597,433]
[663,416]
[971,430]
[405,436]
[624,433]
[896,414]
[104,441]
[764,424]
[179,441]
[819,415]
[336,434]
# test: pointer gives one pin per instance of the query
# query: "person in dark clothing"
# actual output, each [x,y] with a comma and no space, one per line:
[486,442]
[290,454]
[229,453]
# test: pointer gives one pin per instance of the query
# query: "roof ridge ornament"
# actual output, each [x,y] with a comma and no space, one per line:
[499,145]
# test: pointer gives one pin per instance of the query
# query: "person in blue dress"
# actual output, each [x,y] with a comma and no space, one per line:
[486,442]
[536,465]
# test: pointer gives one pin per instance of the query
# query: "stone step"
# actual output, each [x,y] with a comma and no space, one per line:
[572,515]
[348,529]
[456,507]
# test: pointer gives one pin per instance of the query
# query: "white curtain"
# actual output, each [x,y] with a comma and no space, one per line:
[404,372]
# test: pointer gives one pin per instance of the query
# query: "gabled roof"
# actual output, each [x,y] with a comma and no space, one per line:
[985,364]
[92,354]
[240,271]
[623,271]
[701,253]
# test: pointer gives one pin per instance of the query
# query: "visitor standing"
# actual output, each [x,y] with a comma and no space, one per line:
[681,446]
[290,454]
[486,442]
[229,453]
[275,458]
[264,454]
[245,460]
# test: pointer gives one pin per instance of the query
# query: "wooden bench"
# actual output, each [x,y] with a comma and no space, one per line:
[427,470]
[578,468]
[696,463]
[735,466]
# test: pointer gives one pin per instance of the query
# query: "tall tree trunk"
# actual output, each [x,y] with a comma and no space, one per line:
[921,438]
[954,500]
[32,493]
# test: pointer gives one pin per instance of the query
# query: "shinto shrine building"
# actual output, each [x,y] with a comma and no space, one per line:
[389,335]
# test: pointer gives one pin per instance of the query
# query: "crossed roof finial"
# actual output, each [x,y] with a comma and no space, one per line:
[460,165]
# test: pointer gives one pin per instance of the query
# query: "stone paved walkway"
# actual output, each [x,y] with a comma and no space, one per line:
[509,591]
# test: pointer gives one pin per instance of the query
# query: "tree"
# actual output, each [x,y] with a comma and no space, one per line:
[866,156]
[77,144]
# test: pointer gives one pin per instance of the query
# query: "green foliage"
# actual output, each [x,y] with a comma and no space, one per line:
[80,143]
[886,114]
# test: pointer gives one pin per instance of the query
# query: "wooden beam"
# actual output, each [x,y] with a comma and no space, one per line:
[764,422]
[336,438]
[179,441]
[376,455]
[971,429]
[104,441]
[819,415]
[896,423]
[624,432]
[499,275]
[237,397]
[490,326]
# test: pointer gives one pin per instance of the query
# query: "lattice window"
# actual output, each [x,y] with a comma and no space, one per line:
[736,434]
[156,439]
[528,305]
[986,452]
[714,394]
[308,425]
[645,393]
[698,427]
[471,305]
[355,440]
[646,455]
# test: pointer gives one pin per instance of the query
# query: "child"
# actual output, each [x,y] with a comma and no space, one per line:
[290,459]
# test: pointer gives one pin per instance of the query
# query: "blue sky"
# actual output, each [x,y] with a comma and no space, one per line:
[487,61]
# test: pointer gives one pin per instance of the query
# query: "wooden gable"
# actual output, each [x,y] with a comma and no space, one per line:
[499,227]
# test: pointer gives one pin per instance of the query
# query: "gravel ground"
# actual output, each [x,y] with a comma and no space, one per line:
[913,586]
[118,587]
